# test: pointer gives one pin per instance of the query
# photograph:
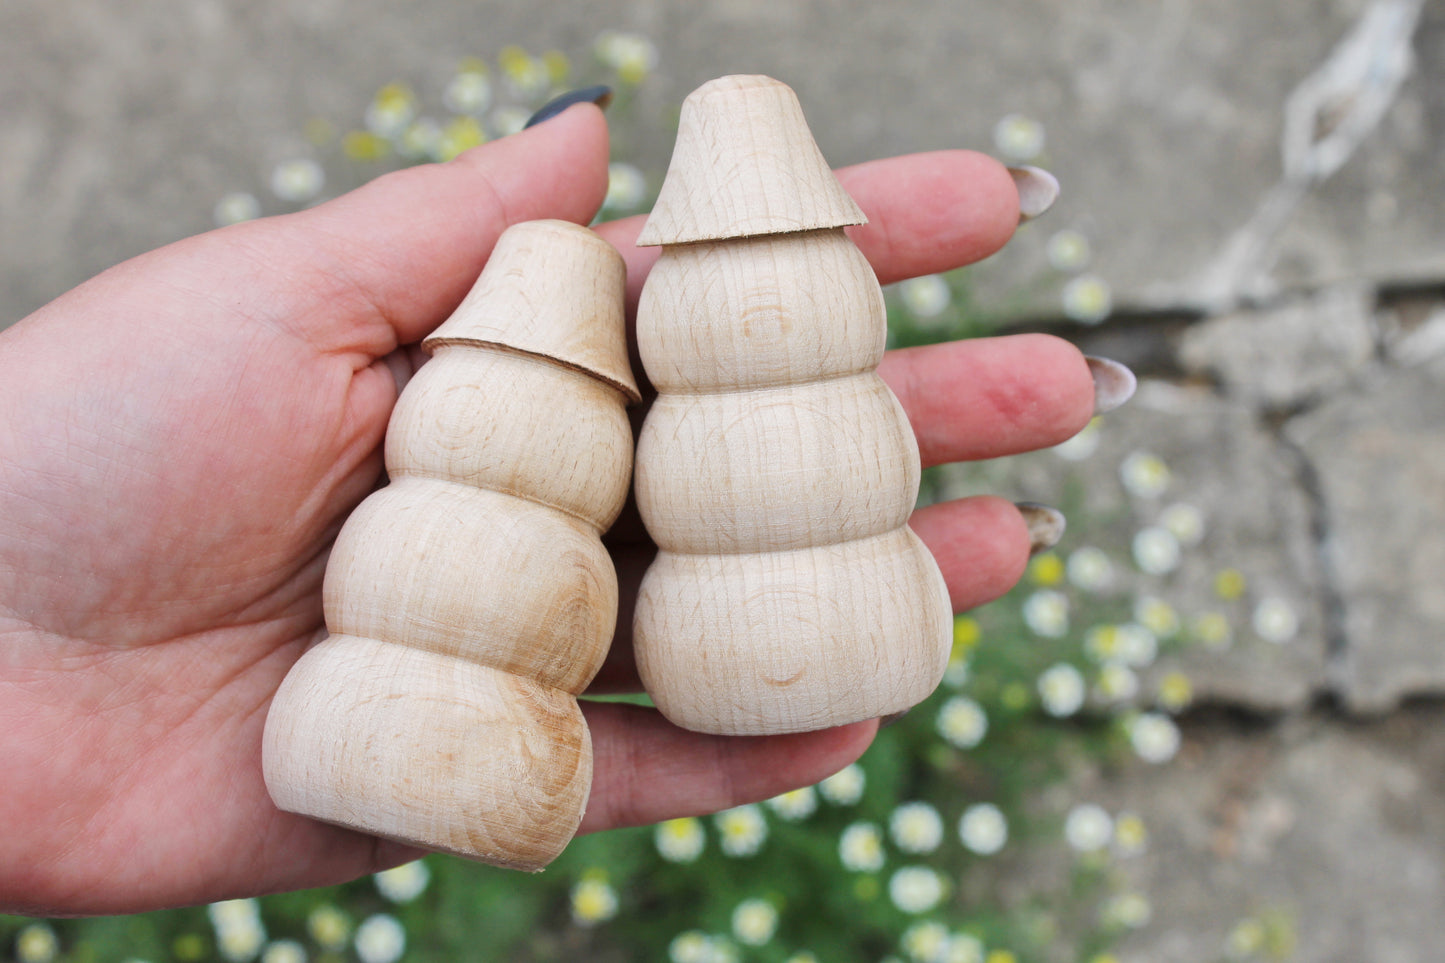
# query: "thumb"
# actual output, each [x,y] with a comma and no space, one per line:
[386,263]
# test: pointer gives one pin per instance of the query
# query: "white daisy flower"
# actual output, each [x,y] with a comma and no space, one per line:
[297,180]
[1068,250]
[1088,828]
[916,828]
[1061,690]
[1156,615]
[1082,445]
[593,901]
[860,848]
[240,934]
[390,111]
[844,787]
[632,55]
[1128,911]
[1144,474]
[679,840]
[983,828]
[962,722]
[329,927]
[1275,620]
[795,805]
[626,187]
[1154,736]
[915,889]
[1089,569]
[236,207]
[927,296]
[380,939]
[1018,137]
[1175,692]
[1136,646]
[963,948]
[742,830]
[509,119]
[925,942]
[284,951]
[1185,521]
[1156,550]
[469,92]
[693,946]
[1131,836]
[1212,631]
[36,943]
[404,883]
[1087,299]
[1046,612]
[1116,683]
[755,921]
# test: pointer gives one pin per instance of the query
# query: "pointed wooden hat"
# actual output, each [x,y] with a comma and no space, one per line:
[551,289]
[745,164]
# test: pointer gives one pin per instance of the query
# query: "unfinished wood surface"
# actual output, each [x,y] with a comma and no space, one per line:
[745,164]
[471,599]
[776,471]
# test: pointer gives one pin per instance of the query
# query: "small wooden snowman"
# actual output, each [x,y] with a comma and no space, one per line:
[776,471]
[471,600]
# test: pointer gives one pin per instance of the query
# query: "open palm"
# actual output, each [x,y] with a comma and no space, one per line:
[181,438]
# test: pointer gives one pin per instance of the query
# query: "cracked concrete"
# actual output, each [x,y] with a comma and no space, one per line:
[1259,185]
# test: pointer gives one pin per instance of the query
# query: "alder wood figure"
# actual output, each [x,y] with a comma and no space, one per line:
[471,600]
[776,471]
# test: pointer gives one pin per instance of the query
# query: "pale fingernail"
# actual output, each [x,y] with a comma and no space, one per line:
[1038,189]
[601,95]
[1046,525]
[1114,384]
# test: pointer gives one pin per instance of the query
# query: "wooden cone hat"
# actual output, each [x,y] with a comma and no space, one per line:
[549,289]
[745,164]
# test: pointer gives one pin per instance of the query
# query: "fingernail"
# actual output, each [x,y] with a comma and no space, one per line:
[1046,525]
[1114,384]
[601,95]
[1038,189]
[885,721]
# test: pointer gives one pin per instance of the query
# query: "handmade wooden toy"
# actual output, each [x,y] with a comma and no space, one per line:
[776,471]
[470,600]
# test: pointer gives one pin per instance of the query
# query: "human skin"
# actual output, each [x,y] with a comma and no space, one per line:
[182,436]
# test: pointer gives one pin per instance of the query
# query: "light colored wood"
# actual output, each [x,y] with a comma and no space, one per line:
[775,287]
[431,751]
[745,164]
[776,471]
[471,599]
[774,642]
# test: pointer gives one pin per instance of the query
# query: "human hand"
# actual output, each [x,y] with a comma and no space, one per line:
[182,436]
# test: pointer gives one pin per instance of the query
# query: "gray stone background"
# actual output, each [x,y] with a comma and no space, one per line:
[1260,184]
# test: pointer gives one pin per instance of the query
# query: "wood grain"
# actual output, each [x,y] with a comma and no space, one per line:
[775,471]
[471,599]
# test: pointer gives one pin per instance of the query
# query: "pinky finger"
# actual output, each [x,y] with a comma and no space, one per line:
[981,544]
[647,770]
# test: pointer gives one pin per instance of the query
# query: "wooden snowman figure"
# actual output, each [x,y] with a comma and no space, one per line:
[775,471]
[470,600]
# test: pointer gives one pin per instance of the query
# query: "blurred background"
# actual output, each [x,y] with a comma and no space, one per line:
[1207,727]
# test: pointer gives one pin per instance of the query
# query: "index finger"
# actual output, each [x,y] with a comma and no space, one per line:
[926,213]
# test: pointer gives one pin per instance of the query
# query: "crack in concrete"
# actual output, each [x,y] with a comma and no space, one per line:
[1327,118]
[1332,595]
